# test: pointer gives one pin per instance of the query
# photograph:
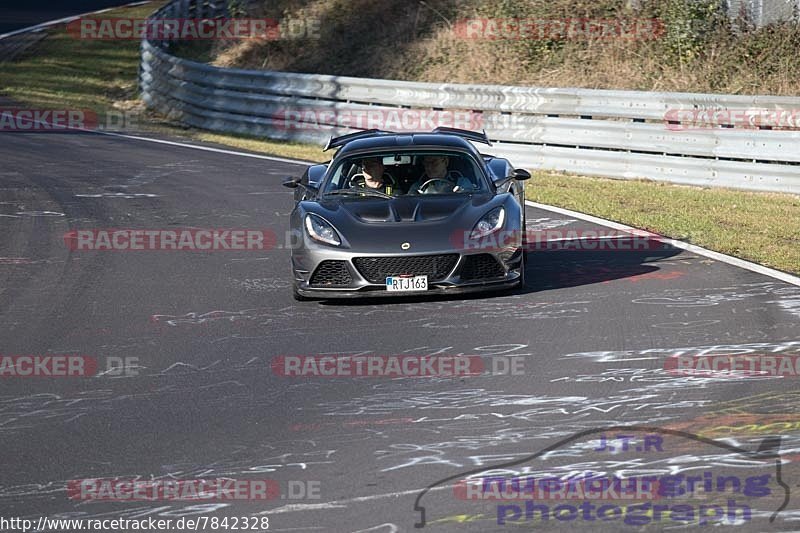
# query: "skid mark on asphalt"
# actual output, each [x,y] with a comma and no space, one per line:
[687,325]
[40,214]
[120,195]
[261,284]
[659,354]
[788,297]
[541,224]
[568,408]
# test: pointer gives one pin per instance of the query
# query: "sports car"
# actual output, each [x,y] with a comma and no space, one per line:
[407,214]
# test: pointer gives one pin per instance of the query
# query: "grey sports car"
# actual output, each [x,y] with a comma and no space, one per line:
[407,213]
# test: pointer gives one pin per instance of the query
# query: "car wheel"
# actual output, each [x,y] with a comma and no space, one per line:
[524,258]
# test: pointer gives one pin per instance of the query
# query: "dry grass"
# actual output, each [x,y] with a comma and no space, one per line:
[68,73]
[396,39]
[299,151]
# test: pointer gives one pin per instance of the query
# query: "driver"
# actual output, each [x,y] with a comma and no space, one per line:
[373,176]
[436,169]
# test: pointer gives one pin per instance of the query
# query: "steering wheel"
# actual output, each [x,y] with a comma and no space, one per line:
[421,189]
[392,181]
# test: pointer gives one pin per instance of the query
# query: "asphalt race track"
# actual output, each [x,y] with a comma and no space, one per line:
[593,331]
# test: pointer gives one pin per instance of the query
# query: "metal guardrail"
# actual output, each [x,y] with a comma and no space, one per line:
[762,12]
[620,134]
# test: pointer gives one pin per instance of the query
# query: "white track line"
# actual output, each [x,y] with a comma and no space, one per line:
[205,148]
[741,263]
[168,143]
[44,25]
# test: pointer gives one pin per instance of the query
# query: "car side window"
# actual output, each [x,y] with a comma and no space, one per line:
[339,178]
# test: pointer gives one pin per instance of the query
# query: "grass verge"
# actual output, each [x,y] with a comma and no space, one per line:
[761,227]
[62,72]
[292,150]
[68,73]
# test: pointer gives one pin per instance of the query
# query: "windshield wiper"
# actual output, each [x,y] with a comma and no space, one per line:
[360,191]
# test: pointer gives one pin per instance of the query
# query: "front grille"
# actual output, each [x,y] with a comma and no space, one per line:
[481,266]
[377,269]
[331,273]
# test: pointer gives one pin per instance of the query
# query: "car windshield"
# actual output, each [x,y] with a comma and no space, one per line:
[390,174]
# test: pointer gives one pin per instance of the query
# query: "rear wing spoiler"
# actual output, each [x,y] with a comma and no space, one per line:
[466,134]
[335,142]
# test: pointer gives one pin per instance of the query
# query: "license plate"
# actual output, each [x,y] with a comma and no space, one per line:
[399,284]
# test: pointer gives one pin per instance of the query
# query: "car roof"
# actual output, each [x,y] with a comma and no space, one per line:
[405,141]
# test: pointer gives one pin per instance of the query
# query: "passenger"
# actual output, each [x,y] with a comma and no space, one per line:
[374,176]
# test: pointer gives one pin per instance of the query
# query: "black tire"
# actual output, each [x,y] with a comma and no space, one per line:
[524,257]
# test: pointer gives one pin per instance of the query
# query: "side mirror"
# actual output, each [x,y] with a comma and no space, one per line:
[315,174]
[302,191]
[520,174]
[291,182]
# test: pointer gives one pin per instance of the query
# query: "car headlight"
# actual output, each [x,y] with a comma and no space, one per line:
[491,222]
[320,229]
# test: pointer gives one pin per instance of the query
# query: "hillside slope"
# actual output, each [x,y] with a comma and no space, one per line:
[698,47]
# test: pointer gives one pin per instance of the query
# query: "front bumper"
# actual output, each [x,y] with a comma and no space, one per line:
[462,278]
